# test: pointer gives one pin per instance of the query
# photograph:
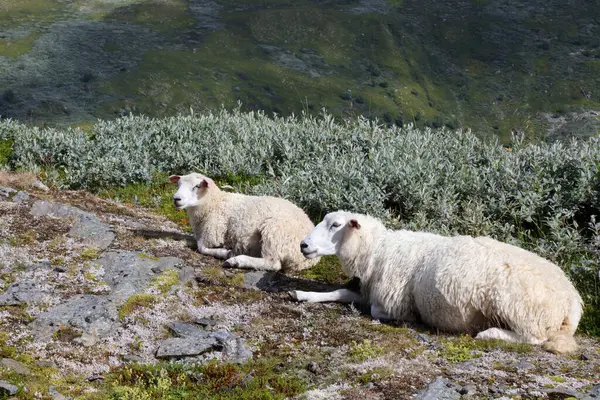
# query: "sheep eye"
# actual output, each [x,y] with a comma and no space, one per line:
[335,225]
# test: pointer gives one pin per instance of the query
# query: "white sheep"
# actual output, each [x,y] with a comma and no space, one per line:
[258,232]
[454,284]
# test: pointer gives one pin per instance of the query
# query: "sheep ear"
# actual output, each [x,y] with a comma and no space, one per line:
[174,178]
[205,183]
[354,224]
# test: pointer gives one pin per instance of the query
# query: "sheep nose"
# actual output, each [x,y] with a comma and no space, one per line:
[303,245]
[176,199]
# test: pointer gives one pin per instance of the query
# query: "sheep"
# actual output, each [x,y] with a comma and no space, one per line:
[454,284]
[256,232]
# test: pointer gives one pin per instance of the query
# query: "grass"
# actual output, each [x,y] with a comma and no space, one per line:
[136,302]
[464,348]
[166,280]
[328,270]
[364,350]
[16,48]
[255,380]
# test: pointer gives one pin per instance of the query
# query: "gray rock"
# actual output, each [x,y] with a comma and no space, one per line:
[258,280]
[206,322]
[7,192]
[185,330]
[87,339]
[21,197]
[593,394]
[87,227]
[56,395]
[128,272]
[88,312]
[7,388]
[14,366]
[524,365]
[423,338]
[369,385]
[39,185]
[132,358]
[440,389]
[562,392]
[42,208]
[22,292]
[185,347]
[235,348]
[313,367]
[187,274]
[92,232]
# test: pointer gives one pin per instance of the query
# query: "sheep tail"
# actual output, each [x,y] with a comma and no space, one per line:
[563,341]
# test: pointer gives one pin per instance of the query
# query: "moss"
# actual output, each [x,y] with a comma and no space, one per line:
[327,270]
[66,334]
[255,380]
[360,352]
[90,253]
[559,379]
[166,280]
[374,375]
[162,16]
[147,257]
[137,302]
[16,48]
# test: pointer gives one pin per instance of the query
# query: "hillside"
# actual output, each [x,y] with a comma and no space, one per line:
[103,300]
[491,66]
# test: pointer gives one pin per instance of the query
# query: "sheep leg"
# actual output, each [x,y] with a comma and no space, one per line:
[213,252]
[509,336]
[339,296]
[262,264]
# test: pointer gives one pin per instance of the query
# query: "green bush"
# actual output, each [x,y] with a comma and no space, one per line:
[540,196]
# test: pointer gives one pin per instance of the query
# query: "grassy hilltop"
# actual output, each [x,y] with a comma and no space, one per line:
[491,66]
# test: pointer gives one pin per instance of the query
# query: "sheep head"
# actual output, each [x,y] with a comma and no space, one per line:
[192,188]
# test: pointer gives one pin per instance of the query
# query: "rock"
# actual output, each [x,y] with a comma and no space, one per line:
[46,364]
[313,367]
[95,377]
[369,385]
[39,185]
[87,339]
[440,389]
[561,393]
[185,347]
[88,312]
[55,394]
[21,197]
[7,192]
[7,388]
[128,273]
[87,227]
[23,292]
[92,232]
[469,389]
[258,280]
[187,274]
[524,365]
[594,393]
[14,366]
[206,322]
[235,348]
[185,330]
[132,358]
[423,338]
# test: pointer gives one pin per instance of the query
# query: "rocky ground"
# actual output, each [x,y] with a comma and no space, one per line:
[92,289]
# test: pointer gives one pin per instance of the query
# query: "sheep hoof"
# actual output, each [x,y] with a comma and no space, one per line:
[230,263]
[293,295]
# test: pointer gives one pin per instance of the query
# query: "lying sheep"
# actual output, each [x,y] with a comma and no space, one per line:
[258,232]
[455,284]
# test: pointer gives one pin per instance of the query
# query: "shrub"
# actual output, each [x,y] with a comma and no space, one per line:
[540,196]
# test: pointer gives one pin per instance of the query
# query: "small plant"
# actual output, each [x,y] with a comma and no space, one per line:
[360,352]
[137,302]
[166,280]
[66,333]
[90,253]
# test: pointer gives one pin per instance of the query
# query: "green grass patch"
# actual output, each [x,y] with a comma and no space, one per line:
[137,302]
[166,280]
[16,48]
[464,348]
[66,334]
[328,270]
[255,380]
[5,151]
[163,16]
[364,350]
[91,253]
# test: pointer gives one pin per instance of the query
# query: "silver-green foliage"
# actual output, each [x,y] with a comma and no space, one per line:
[541,196]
